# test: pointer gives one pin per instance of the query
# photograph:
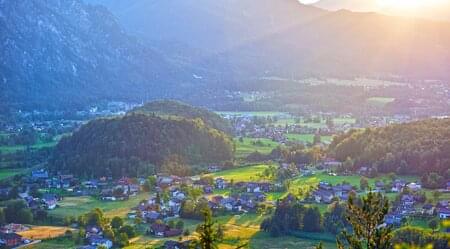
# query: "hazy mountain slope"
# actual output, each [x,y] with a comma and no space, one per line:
[66,53]
[237,42]
[354,5]
[439,11]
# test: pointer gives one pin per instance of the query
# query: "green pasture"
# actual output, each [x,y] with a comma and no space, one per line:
[75,206]
[250,145]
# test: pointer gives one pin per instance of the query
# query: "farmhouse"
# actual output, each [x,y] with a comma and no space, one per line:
[10,239]
[428,209]
[444,213]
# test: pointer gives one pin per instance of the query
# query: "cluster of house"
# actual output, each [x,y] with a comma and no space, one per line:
[409,204]
[9,236]
[159,208]
[95,238]
[106,187]
[326,193]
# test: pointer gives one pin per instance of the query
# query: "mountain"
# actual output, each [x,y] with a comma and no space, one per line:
[68,53]
[353,5]
[65,53]
[129,144]
[238,43]
[178,109]
[437,10]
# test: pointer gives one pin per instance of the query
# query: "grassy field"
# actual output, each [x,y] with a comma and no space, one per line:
[322,124]
[307,138]
[249,145]
[44,232]
[7,173]
[353,180]
[248,173]
[75,206]
[257,114]
[40,145]
[239,229]
[379,101]
[58,243]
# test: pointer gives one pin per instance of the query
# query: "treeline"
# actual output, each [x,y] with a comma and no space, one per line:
[298,154]
[176,108]
[133,143]
[417,148]
[291,216]
[348,222]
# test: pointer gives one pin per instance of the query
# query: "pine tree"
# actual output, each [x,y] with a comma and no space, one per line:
[366,220]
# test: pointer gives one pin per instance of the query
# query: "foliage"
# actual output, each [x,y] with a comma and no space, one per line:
[291,216]
[366,219]
[130,145]
[208,238]
[16,211]
[418,237]
[176,108]
[335,218]
[412,148]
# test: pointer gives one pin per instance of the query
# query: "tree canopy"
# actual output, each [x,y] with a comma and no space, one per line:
[133,143]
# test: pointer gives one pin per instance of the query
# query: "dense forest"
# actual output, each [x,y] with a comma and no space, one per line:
[420,148]
[139,143]
[176,108]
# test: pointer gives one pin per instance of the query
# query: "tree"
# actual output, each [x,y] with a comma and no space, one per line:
[128,230]
[122,240]
[179,225]
[207,232]
[175,165]
[16,211]
[220,233]
[335,218]
[319,246]
[316,139]
[436,195]
[433,224]
[364,183]
[116,222]
[366,220]
[312,221]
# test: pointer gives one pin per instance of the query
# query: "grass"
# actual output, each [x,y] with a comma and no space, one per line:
[257,114]
[7,173]
[44,232]
[75,206]
[248,173]
[40,145]
[321,124]
[58,243]
[379,101]
[249,145]
[353,179]
[262,240]
[307,138]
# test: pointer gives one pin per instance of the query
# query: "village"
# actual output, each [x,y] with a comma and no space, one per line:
[171,198]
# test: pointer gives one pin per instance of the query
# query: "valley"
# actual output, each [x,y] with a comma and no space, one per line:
[224,124]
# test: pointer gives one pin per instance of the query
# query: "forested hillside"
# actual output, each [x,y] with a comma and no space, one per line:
[134,143]
[175,108]
[420,147]
[67,54]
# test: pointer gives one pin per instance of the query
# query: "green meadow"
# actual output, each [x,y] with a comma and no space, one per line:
[250,145]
